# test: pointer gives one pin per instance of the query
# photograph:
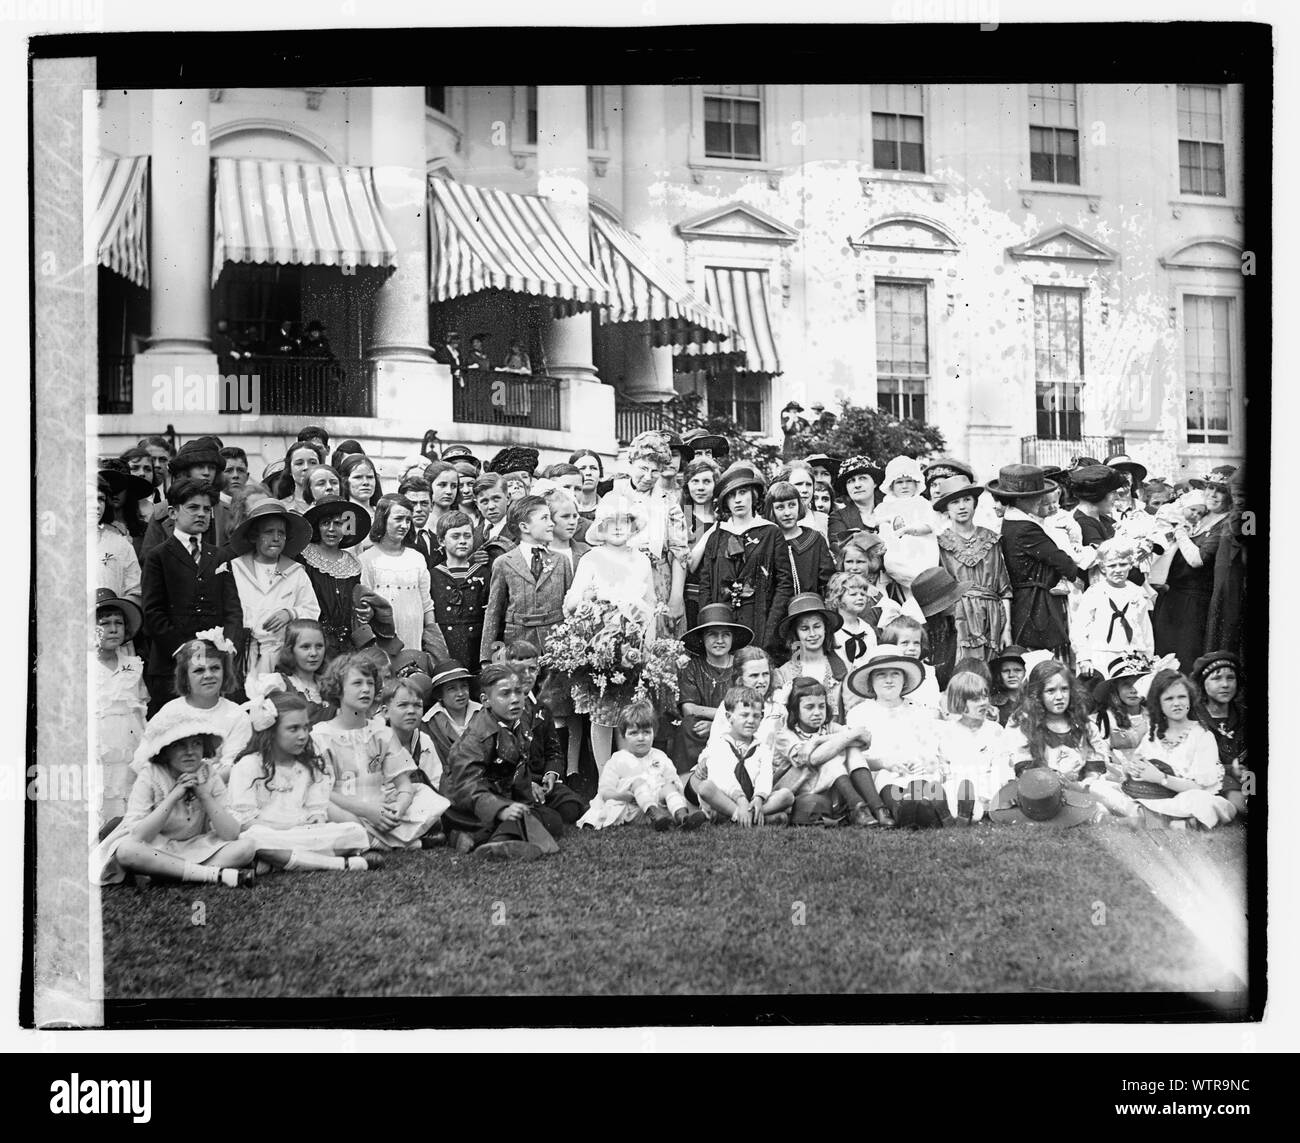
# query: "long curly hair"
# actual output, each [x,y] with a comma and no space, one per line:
[263,741]
[1155,712]
[285,662]
[1031,715]
[334,676]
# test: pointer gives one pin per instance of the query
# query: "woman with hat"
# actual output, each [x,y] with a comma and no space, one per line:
[124,494]
[704,443]
[1183,612]
[973,557]
[120,698]
[1094,487]
[273,588]
[701,481]
[705,678]
[334,572]
[1035,564]
[856,483]
[808,629]
[744,563]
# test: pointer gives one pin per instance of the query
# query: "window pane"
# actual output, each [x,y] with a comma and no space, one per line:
[1212,157]
[911,157]
[746,141]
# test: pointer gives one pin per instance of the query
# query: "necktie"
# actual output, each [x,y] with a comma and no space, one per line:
[537,563]
[854,646]
[195,551]
[742,775]
[1118,616]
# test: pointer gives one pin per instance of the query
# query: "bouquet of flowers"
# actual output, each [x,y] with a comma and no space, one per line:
[612,660]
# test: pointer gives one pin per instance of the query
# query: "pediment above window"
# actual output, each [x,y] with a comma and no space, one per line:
[1064,244]
[908,232]
[1212,252]
[738,221]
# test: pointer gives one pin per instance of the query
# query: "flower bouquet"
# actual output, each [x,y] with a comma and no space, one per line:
[604,648]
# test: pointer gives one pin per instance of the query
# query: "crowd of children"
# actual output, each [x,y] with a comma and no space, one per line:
[861,646]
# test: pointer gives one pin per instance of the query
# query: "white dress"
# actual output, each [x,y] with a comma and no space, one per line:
[907,556]
[616,579]
[120,703]
[976,756]
[291,810]
[1196,759]
[265,589]
[116,564]
[403,580]
[904,743]
[228,721]
[652,780]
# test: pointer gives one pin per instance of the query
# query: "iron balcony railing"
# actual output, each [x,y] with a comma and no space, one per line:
[1045,451]
[494,397]
[634,417]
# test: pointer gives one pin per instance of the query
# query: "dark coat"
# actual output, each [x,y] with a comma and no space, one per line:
[811,562]
[488,768]
[758,567]
[181,598]
[1035,565]
[160,528]
[844,523]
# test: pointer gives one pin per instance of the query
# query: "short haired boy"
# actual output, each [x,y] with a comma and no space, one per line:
[186,587]
[733,777]
[458,586]
[496,808]
[547,759]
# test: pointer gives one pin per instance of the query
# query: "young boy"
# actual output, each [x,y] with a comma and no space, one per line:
[1114,614]
[701,684]
[495,805]
[458,586]
[200,460]
[449,716]
[733,777]
[641,780]
[528,583]
[547,758]
[186,587]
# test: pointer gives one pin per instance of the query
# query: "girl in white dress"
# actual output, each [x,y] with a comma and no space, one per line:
[280,793]
[204,676]
[906,523]
[398,573]
[120,700]
[973,749]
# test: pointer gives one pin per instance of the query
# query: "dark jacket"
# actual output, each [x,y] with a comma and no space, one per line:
[160,528]
[544,752]
[181,598]
[1035,565]
[488,768]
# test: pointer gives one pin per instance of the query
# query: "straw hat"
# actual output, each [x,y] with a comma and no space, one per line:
[960,486]
[944,467]
[244,538]
[880,657]
[1137,473]
[448,671]
[106,599]
[808,603]
[717,615]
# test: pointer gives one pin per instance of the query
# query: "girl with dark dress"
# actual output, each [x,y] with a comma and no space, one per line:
[336,525]
[744,563]
[701,477]
[1218,676]
[1183,611]
[811,565]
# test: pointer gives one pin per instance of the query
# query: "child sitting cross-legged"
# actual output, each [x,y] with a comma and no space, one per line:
[972,748]
[638,779]
[449,716]
[402,701]
[733,778]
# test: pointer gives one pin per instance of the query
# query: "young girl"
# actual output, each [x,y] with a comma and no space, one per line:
[280,794]
[1051,729]
[1222,712]
[806,549]
[972,749]
[1114,614]
[848,594]
[864,555]
[905,523]
[807,629]
[972,555]
[120,700]
[1120,715]
[824,499]
[856,482]
[177,824]
[402,704]
[638,779]
[901,740]
[398,573]
[372,770]
[701,477]
[204,676]
[452,709]
[357,472]
[703,681]
[298,667]
[1178,774]
[1008,670]
[752,669]
[291,485]
[908,637]
[662,535]
[333,571]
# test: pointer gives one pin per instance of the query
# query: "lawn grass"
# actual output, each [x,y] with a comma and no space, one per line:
[722,911]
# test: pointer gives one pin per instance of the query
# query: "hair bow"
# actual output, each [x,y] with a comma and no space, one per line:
[261,686]
[217,637]
[263,714]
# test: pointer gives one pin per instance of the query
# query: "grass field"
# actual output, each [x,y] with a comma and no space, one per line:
[727,911]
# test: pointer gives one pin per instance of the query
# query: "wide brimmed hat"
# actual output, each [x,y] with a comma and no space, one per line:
[514,458]
[677,445]
[106,598]
[448,671]
[136,487]
[945,466]
[618,503]
[325,507]
[1020,480]
[1215,478]
[965,488]
[857,466]
[1213,661]
[792,407]
[1095,482]
[741,474]
[243,539]
[702,440]
[172,724]
[201,450]
[808,603]
[878,658]
[717,615]
[1038,797]
[902,468]
[1014,652]
[1137,472]
[1129,665]
[823,460]
[935,590]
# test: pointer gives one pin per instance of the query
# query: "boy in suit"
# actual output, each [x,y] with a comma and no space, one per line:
[528,583]
[201,460]
[186,586]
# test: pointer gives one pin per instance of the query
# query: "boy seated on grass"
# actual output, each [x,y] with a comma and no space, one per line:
[496,807]
[733,778]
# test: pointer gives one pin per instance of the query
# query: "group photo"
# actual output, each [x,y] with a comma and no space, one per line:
[671,540]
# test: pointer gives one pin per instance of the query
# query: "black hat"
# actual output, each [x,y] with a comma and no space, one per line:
[717,615]
[1212,661]
[676,444]
[1038,796]
[1006,654]
[808,603]
[792,407]
[325,507]
[1017,481]
[857,466]
[514,458]
[935,590]
[136,487]
[298,532]
[1095,482]
[702,440]
[946,466]
[741,474]
[106,598]
[822,460]
[202,450]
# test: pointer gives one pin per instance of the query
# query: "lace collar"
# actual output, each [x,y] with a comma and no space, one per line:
[968,551]
[342,565]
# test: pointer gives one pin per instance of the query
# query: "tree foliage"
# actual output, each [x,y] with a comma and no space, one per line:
[859,430]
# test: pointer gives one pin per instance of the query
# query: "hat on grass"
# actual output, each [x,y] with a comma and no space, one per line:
[886,655]
[1037,797]
[298,532]
[717,615]
[326,507]
[106,599]
[808,603]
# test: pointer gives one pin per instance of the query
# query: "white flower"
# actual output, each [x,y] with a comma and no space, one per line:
[217,637]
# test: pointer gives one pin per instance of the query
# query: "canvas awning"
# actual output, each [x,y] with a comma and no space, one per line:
[486,239]
[291,213]
[117,196]
[645,291]
[740,296]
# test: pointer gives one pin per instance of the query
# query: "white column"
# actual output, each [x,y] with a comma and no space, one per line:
[562,181]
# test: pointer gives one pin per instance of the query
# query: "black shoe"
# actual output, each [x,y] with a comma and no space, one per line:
[659,818]
[694,819]
[885,818]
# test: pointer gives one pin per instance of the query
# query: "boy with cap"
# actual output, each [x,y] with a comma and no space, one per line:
[201,460]
[449,716]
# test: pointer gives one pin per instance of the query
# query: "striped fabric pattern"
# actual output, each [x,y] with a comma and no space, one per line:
[292,213]
[117,197]
[481,238]
[645,291]
[740,295]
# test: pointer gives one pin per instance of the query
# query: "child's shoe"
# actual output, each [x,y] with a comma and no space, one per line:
[861,816]
[659,818]
[885,818]
[509,851]
[691,819]
[369,860]
[237,878]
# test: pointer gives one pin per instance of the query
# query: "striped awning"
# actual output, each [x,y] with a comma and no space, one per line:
[117,198]
[740,296]
[486,239]
[645,291]
[290,213]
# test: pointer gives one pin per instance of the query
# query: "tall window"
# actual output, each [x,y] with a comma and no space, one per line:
[1207,366]
[738,396]
[1058,362]
[1053,133]
[902,348]
[897,127]
[436,98]
[530,96]
[733,121]
[1200,140]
